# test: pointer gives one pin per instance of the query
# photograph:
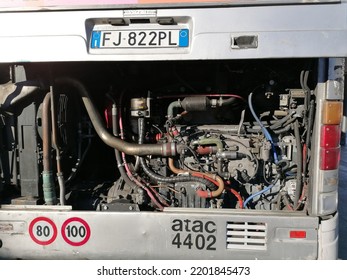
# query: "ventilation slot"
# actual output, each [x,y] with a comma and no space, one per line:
[247,236]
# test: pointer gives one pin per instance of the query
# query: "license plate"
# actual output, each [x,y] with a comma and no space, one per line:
[111,39]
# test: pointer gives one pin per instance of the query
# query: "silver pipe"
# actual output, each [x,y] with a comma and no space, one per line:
[57,149]
[47,173]
[167,149]
[12,94]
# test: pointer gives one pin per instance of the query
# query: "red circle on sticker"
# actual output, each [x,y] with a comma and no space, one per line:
[75,231]
[43,231]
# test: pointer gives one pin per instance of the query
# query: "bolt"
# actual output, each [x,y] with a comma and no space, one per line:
[131,208]
[105,207]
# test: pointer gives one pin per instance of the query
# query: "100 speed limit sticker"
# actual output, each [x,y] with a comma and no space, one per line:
[74,231]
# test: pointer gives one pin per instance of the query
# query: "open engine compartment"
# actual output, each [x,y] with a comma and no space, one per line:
[142,136]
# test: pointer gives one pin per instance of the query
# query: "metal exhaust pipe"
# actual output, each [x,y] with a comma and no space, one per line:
[165,150]
[12,94]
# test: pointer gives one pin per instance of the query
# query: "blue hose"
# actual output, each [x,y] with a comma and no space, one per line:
[256,194]
[269,138]
[263,128]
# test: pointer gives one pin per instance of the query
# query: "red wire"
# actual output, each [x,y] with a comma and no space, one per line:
[304,154]
[290,207]
[158,196]
[238,196]
[153,199]
[106,117]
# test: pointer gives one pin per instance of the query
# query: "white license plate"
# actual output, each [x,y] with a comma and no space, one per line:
[111,39]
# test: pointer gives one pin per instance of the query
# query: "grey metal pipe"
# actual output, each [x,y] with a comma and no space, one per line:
[60,175]
[46,133]
[172,106]
[48,186]
[167,149]
[197,103]
[12,94]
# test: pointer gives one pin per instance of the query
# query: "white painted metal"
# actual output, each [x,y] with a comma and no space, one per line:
[146,235]
[282,31]
[28,5]
[328,238]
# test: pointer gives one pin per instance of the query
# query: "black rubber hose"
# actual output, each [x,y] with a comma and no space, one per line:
[280,122]
[228,101]
[308,135]
[122,171]
[310,124]
[283,130]
[299,163]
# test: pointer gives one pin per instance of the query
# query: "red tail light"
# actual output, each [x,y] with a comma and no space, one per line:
[330,147]
[329,158]
[297,234]
[330,135]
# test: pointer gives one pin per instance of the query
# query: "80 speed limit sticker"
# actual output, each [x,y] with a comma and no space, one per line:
[75,231]
[43,231]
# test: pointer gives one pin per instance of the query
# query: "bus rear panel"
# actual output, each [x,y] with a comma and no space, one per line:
[165,130]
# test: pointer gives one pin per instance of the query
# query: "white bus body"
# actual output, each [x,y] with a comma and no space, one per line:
[143,129]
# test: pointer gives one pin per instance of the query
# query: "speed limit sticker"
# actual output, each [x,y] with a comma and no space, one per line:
[75,231]
[43,231]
